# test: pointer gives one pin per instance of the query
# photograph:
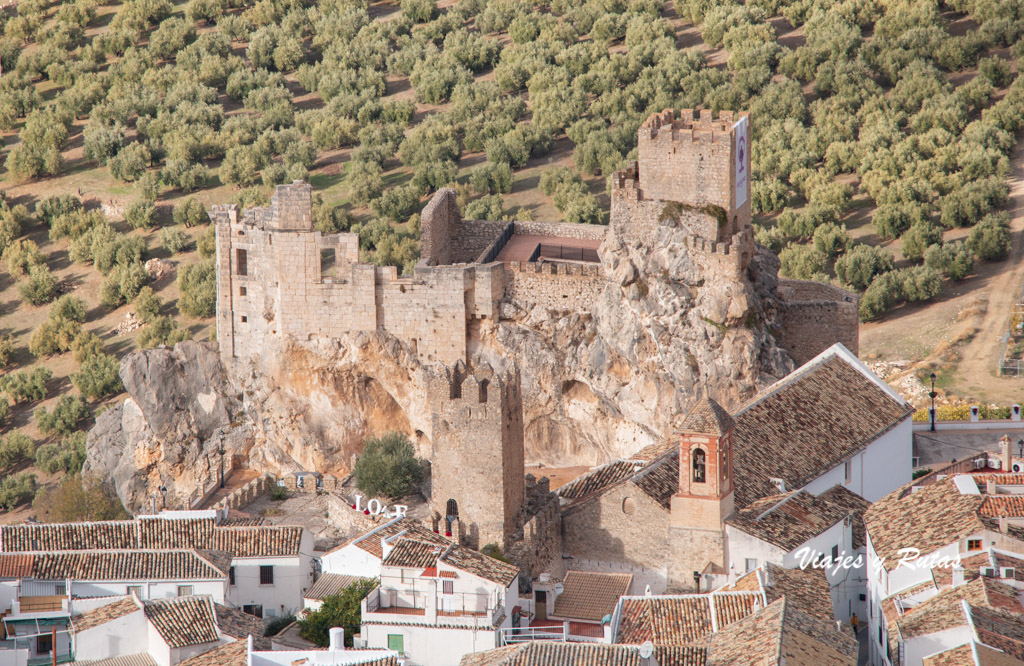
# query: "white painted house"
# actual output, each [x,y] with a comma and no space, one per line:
[362,555]
[169,631]
[267,568]
[926,545]
[799,530]
[436,603]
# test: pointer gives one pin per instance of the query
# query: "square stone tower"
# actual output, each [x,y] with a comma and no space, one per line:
[698,160]
[477,473]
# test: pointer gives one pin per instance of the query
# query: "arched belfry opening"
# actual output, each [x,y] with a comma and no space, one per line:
[699,466]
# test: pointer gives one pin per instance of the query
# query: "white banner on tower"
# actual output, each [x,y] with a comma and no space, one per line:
[742,160]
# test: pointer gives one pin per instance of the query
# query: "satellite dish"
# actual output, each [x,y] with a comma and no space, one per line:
[646,650]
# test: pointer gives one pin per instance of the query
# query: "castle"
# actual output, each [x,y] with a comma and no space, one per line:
[277,276]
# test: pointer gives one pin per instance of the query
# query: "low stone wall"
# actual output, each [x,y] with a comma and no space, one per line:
[537,546]
[562,230]
[815,316]
[341,515]
[553,285]
[248,493]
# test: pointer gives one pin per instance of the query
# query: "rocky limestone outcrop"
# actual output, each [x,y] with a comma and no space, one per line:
[598,382]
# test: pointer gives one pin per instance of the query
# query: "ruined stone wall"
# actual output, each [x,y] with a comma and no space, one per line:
[473,237]
[437,224]
[478,455]
[815,315]
[537,546]
[557,286]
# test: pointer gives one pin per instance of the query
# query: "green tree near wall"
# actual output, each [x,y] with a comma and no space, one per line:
[338,610]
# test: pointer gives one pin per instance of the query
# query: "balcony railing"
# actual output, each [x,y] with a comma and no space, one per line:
[512,635]
[411,602]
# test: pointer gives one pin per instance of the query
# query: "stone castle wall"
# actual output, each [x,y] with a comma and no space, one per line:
[553,285]
[814,315]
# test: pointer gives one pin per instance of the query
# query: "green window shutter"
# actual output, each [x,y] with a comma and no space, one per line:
[396,642]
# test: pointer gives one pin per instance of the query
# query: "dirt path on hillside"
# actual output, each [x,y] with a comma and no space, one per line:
[976,372]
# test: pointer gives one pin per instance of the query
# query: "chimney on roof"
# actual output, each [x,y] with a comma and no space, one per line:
[1004,453]
[958,576]
[1004,523]
[337,639]
[990,486]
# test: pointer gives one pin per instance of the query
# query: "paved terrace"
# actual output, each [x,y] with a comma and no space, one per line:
[527,247]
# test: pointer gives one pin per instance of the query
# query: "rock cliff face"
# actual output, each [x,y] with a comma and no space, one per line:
[596,384]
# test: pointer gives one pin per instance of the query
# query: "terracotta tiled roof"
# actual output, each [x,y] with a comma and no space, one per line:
[707,418]
[852,503]
[478,564]
[1001,479]
[599,479]
[809,423]
[937,513]
[590,596]
[413,554]
[140,659]
[68,536]
[183,621]
[228,654]
[680,619]
[547,653]
[1009,506]
[15,565]
[152,532]
[681,655]
[806,589]
[124,565]
[103,614]
[238,625]
[330,584]
[660,480]
[963,655]
[788,520]
[1000,629]
[656,450]
[262,541]
[407,527]
[780,634]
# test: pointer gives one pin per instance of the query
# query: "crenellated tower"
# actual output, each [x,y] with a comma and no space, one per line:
[477,466]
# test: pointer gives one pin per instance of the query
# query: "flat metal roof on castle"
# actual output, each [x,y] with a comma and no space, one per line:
[528,247]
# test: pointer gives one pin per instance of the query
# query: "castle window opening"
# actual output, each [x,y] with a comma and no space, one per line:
[699,464]
[483,391]
[327,263]
[629,506]
[451,515]
[244,319]
[241,262]
[241,291]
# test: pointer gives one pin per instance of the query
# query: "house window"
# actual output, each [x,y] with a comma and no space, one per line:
[241,262]
[231,575]
[848,470]
[184,590]
[242,291]
[44,644]
[974,544]
[266,574]
[253,609]
[300,481]
[835,553]
[60,588]
[396,642]
[751,564]
[698,466]
[244,319]
[448,587]
[135,590]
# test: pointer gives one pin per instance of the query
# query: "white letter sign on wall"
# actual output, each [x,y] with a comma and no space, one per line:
[376,507]
[742,160]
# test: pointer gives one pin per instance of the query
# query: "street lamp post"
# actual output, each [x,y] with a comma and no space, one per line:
[221,451]
[932,394]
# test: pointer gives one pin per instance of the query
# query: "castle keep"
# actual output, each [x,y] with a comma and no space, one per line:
[277,276]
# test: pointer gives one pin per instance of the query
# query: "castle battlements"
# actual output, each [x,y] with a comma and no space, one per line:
[278,276]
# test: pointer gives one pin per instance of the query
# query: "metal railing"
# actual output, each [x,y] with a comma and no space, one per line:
[567,252]
[513,635]
[412,602]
